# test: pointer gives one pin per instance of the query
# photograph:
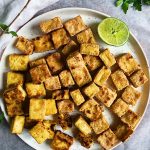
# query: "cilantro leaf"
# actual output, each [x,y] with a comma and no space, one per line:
[1,117]
[119,2]
[147,2]
[4,27]
[13,33]
[137,5]
[125,7]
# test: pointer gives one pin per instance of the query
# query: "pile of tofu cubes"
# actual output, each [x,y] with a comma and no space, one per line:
[74,77]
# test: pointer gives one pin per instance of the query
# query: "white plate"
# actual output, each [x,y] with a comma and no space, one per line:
[91,18]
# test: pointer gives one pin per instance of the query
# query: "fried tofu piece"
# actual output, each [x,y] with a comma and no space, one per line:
[119,107]
[83,126]
[130,95]
[107,139]
[62,141]
[18,62]
[51,108]
[78,69]
[128,64]
[65,106]
[24,45]
[37,62]
[130,118]
[91,109]
[14,79]
[60,38]
[119,79]
[66,78]
[77,97]
[29,123]
[92,62]
[42,44]
[35,90]
[55,62]
[37,109]
[51,25]
[60,94]
[86,36]
[106,96]
[108,58]
[75,25]
[102,76]
[52,83]
[99,125]
[40,73]
[90,90]
[138,78]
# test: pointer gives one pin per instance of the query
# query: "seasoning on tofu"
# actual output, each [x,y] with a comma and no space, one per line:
[37,62]
[60,94]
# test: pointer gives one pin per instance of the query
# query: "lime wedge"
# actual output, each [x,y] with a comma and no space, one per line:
[113,31]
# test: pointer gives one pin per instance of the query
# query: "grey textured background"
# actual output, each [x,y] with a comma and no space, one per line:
[139,24]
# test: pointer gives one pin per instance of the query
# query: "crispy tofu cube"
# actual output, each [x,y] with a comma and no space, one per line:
[108,58]
[35,90]
[86,36]
[102,76]
[50,107]
[24,45]
[37,109]
[106,96]
[90,90]
[65,106]
[51,25]
[42,43]
[75,25]
[17,124]
[91,109]
[92,62]
[77,97]
[60,94]
[66,78]
[119,79]
[14,78]
[99,125]
[138,78]
[83,126]
[119,107]
[62,141]
[52,83]
[130,95]
[40,73]
[37,62]
[60,38]
[15,93]
[78,69]
[107,139]
[18,62]
[55,62]
[128,64]
[130,118]
[29,123]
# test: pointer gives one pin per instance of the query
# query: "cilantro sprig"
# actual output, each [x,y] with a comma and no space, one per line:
[1,117]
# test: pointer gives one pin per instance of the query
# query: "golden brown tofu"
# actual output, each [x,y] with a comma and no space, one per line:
[51,108]
[18,62]
[17,124]
[37,62]
[60,38]
[78,69]
[29,123]
[138,78]
[35,90]
[40,73]
[65,106]
[66,78]
[106,95]
[128,64]
[77,97]
[107,139]
[119,107]
[83,126]
[24,45]
[61,141]
[60,94]
[51,25]
[108,58]
[130,95]
[55,62]
[102,76]
[75,25]
[99,125]
[119,79]
[86,36]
